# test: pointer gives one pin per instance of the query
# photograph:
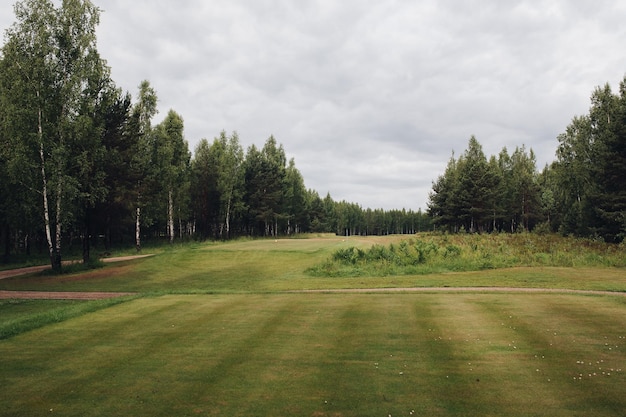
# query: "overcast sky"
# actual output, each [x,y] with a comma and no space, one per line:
[369,97]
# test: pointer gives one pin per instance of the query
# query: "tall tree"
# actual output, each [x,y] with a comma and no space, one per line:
[526,205]
[172,158]
[53,66]
[113,217]
[142,167]
[295,197]
[264,178]
[443,199]
[204,191]
[230,177]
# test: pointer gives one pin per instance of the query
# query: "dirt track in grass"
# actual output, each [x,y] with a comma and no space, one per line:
[34,269]
[465,290]
[50,295]
[60,295]
[57,295]
[68,295]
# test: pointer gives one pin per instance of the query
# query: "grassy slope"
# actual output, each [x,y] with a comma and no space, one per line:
[348,355]
[259,353]
[268,265]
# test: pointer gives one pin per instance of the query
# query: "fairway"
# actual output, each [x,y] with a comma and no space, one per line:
[470,354]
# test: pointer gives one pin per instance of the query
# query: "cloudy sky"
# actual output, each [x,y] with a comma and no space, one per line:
[369,97]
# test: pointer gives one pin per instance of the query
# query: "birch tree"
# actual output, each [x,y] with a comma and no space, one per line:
[172,159]
[52,58]
[143,112]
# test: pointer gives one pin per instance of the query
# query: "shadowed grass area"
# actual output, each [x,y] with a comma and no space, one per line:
[19,316]
[325,354]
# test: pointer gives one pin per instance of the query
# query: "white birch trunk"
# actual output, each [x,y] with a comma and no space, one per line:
[44,189]
[138,228]
[170,215]
[57,235]
[228,218]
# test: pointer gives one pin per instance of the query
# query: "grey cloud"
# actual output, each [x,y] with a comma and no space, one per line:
[369,97]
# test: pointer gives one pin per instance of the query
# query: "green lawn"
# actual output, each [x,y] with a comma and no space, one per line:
[326,354]
[213,332]
[269,265]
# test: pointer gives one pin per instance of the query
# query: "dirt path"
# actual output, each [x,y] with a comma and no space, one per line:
[33,269]
[48,295]
[58,295]
[465,289]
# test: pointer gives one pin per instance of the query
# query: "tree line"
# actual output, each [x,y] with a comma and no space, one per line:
[80,160]
[581,193]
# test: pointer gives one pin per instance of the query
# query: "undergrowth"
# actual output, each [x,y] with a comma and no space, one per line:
[436,253]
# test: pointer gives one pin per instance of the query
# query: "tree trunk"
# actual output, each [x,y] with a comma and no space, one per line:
[44,190]
[138,229]
[56,264]
[6,242]
[227,223]
[86,243]
[170,215]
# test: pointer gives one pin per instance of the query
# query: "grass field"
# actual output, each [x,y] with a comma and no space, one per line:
[216,333]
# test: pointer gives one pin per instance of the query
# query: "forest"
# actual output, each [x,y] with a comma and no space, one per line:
[582,193]
[82,161]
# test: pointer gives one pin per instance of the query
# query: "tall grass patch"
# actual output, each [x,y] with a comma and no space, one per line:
[432,253]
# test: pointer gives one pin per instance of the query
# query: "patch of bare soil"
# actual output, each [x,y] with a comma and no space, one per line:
[60,295]
[33,269]
[63,295]
[464,289]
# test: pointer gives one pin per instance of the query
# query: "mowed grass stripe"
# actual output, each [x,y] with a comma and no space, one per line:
[319,354]
[494,372]
[581,349]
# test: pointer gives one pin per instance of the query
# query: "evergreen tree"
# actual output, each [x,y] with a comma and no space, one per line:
[591,167]
[264,179]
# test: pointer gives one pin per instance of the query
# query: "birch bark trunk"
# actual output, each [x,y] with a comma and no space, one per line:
[170,215]
[55,258]
[138,228]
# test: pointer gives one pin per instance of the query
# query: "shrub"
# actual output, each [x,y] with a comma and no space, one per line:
[470,252]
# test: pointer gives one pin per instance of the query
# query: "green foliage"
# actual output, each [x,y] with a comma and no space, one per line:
[469,252]
[477,195]
[590,171]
